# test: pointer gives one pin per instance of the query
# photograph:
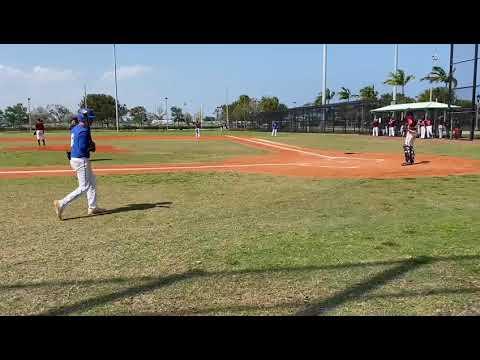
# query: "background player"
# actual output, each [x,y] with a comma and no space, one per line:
[82,144]
[274,128]
[40,131]
[391,126]
[411,129]
[198,126]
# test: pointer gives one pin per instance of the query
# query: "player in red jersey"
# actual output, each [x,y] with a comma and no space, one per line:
[411,128]
[40,131]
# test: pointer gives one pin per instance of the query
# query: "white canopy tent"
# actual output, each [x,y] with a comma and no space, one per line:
[429,105]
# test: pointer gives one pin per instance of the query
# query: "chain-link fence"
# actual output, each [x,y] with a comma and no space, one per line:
[348,117]
[466,93]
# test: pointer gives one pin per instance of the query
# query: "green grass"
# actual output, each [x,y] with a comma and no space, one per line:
[243,244]
[237,244]
[140,152]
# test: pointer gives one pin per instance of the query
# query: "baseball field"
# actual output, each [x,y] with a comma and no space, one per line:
[240,223]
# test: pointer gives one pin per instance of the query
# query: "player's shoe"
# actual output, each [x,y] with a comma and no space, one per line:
[406,164]
[58,209]
[96,211]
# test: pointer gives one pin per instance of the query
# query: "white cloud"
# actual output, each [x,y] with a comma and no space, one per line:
[125,72]
[38,73]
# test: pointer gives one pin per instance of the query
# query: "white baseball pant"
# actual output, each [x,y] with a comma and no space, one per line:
[391,131]
[422,132]
[375,131]
[86,183]
[410,138]
[274,132]
[440,131]
[429,132]
[40,134]
[197,132]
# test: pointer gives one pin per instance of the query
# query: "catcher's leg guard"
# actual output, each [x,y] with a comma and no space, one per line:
[406,150]
[412,155]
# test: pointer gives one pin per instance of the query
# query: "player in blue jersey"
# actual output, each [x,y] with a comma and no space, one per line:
[81,145]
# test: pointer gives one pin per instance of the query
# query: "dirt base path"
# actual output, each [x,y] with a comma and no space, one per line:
[284,159]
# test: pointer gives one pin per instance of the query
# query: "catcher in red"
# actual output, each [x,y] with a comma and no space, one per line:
[408,149]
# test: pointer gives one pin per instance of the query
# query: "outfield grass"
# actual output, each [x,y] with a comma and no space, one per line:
[139,152]
[226,243]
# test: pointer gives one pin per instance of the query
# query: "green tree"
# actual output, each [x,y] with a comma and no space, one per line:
[271,104]
[139,115]
[368,93]
[387,99]
[40,113]
[346,94]
[104,107]
[177,114]
[58,113]
[439,93]
[2,117]
[399,79]
[329,95]
[439,75]
[16,115]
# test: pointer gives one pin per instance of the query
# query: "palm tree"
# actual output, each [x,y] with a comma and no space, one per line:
[399,79]
[439,75]
[368,93]
[329,95]
[346,94]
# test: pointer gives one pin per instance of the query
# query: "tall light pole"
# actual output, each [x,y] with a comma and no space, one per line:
[434,59]
[166,111]
[324,91]
[29,117]
[85,95]
[226,106]
[116,90]
[395,69]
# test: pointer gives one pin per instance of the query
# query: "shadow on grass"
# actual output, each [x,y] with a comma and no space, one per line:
[354,292]
[100,160]
[358,290]
[130,207]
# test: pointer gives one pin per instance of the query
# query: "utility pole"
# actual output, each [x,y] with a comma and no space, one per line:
[116,90]
[226,107]
[395,69]
[434,59]
[166,111]
[450,92]
[324,91]
[29,117]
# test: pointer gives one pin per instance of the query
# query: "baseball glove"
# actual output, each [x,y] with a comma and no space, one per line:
[92,147]
[69,155]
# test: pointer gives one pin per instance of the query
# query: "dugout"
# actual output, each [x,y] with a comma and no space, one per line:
[435,110]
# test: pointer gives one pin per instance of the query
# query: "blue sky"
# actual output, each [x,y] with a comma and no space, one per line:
[199,74]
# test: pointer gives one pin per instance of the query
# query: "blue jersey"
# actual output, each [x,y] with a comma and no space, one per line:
[275,125]
[81,140]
